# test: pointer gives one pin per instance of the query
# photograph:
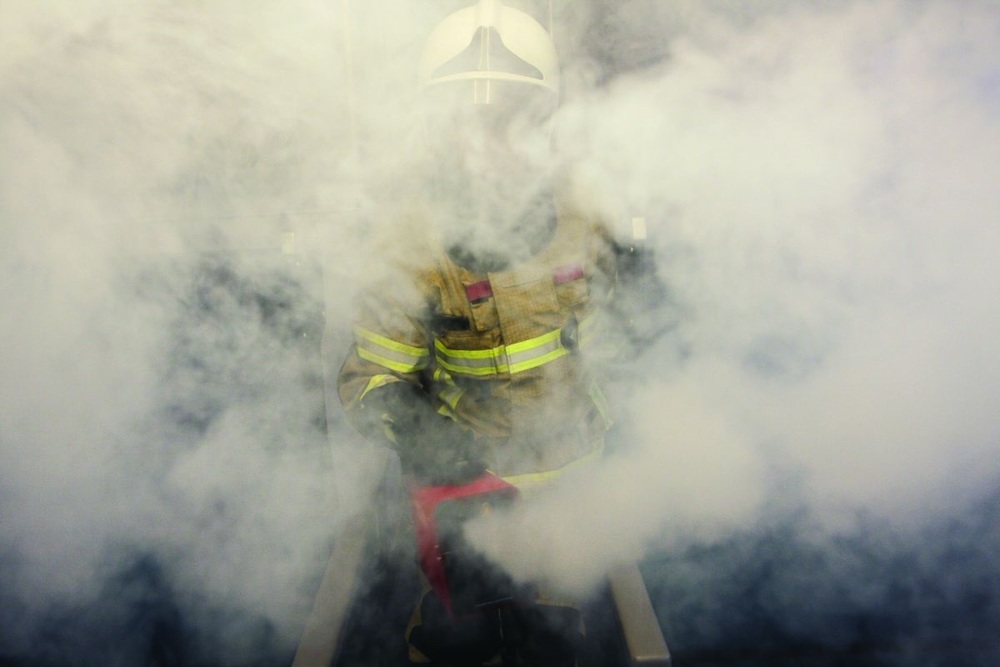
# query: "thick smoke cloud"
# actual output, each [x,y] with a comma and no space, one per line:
[189,194]
[168,488]
[820,188]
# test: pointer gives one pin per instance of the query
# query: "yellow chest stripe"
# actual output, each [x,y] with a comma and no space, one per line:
[503,359]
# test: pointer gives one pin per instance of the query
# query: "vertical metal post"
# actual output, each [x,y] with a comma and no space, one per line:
[643,637]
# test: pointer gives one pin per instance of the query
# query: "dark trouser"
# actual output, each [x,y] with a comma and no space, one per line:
[524,635]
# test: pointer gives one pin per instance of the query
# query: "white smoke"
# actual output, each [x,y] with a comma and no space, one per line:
[166,178]
[819,183]
[820,186]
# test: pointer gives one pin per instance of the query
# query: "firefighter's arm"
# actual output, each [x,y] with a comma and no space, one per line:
[382,394]
[432,448]
[641,300]
[633,301]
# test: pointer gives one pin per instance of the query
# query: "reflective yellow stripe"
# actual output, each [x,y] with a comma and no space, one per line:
[389,353]
[531,478]
[601,403]
[587,324]
[447,410]
[531,343]
[513,358]
[450,396]
[475,356]
[377,381]
[535,352]
[389,363]
[442,376]
[491,361]
[378,339]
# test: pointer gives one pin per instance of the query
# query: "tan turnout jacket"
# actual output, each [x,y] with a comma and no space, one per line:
[504,353]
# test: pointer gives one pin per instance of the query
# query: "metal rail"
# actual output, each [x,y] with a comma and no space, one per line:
[642,639]
[640,629]
[322,635]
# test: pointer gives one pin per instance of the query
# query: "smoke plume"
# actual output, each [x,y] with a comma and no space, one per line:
[190,195]
[819,187]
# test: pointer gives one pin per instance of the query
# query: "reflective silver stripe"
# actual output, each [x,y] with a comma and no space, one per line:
[478,363]
[513,358]
[389,353]
[450,396]
[442,376]
[535,352]
[377,381]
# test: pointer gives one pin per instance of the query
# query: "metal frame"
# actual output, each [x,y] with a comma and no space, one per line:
[321,638]
[640,629]
[642,638]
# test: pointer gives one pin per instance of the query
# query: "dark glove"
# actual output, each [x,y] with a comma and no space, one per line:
[432,448]
[642,305]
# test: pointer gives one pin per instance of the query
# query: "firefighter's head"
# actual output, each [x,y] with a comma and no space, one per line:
[490,76]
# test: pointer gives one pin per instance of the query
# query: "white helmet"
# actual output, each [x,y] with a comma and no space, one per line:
[490,79]
[491,46]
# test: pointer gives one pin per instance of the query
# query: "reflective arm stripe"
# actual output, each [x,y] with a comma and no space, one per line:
[471,362]
[442,376]
[535,352]
[388,353]
[377,381]
[587,326]
[530,479]
[513,358]
[450,396]
[601,403]
[387,363]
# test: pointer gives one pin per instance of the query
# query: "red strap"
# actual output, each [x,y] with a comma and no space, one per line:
[479,291]
[564,274]
[483,290]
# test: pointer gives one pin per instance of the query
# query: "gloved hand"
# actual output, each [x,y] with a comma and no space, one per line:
[432,448]
[643,303]
[446,465]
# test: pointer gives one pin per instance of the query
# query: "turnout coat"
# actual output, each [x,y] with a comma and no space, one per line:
[502,353]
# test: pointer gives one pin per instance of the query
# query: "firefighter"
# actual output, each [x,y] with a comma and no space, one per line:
[471,353]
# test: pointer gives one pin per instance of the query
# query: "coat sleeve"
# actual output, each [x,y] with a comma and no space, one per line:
[634,305]
[390,346]
[383,387]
